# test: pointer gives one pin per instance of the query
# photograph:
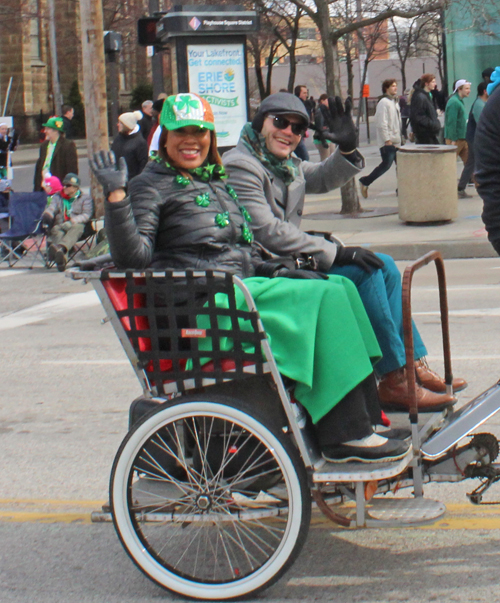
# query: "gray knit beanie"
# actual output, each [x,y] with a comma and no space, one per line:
[281,103]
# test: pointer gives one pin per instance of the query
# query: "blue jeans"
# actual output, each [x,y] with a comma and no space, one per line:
[388,154]
[380,293]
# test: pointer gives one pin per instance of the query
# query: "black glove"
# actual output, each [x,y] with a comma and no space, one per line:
[364,258]
[342,130]
[47,221]
[301,274]
[110,175]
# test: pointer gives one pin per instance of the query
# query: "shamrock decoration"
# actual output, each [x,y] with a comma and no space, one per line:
[222,220]
[186,102]
[244,212]
[231,192]
[182,180]
[246,233]
[203,200]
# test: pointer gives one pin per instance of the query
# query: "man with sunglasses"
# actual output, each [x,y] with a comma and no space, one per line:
[65,218]
[271,183]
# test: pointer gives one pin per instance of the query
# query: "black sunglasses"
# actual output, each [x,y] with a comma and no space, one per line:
[282,123]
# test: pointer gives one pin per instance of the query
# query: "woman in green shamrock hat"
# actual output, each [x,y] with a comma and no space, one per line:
[179,213]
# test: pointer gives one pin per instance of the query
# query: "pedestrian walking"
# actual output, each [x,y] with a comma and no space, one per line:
[68,112]
[146,122]
[321,123]
[455,122]
[303,93]
[389,128]
[58,155]
[475,112]
[130,144]
[423,115]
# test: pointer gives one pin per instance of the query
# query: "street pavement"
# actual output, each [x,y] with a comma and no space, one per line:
[67,386]
[66,389]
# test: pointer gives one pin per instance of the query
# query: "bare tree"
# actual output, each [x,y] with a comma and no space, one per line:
[414,37]
[332,28]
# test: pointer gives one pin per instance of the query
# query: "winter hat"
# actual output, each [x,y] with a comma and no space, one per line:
[281,103]
[459,83]
[72,179]
[186,109]
[53,184]
[129,120]
[56,123]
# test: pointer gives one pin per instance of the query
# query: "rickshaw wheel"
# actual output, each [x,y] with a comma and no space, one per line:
[208,501]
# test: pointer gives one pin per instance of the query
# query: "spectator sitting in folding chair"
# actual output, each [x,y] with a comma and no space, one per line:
[65,219]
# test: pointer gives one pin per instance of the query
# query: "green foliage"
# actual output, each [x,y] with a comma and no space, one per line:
[141,93]
[75,100]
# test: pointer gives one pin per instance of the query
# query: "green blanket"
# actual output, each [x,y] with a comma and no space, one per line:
[319,333]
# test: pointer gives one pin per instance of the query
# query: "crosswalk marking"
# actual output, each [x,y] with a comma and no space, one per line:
[48,309]
[6,272]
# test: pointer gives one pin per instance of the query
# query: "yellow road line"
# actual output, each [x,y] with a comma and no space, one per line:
[457,517]
[52,503]
[25,517]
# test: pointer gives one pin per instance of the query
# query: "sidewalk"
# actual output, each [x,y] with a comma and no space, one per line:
[380,228]
[383,231]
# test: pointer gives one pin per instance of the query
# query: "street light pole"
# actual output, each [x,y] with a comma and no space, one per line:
[56,87]
[94,87]
[157,58]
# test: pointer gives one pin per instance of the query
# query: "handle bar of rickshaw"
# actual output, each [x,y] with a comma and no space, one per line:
[407,325]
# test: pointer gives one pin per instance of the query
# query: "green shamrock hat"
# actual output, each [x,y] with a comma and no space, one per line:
[186,109]
[56,123]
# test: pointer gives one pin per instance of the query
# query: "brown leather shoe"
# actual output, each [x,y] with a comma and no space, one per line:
[431,380]
[393,393]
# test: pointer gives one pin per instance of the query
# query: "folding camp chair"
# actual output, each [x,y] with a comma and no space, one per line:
[23,241]
[83,245]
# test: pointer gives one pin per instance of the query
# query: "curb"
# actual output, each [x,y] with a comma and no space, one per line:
[450,250]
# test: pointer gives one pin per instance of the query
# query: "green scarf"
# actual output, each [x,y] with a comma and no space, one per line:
[285,169]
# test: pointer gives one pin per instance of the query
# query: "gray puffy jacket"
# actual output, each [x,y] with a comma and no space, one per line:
[166,224]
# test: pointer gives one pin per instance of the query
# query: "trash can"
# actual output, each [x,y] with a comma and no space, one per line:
[427,183]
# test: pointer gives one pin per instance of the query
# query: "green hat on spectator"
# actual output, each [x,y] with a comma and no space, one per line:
[72,179]
[56,123]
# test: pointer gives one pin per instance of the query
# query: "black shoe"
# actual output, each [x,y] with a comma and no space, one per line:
[51,252]
[463,195]
[61,258]
[392,450]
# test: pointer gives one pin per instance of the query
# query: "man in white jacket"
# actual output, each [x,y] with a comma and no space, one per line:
[388,122]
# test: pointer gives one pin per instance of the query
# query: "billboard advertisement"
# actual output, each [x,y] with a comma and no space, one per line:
[217,72]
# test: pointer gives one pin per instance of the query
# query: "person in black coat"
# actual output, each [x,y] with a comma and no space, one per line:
[487,161]
[146,123]
[423,116]
[130,143]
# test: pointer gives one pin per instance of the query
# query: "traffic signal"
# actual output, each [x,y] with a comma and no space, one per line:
[146,31]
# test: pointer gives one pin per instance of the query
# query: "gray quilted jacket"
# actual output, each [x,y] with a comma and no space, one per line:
[166,224]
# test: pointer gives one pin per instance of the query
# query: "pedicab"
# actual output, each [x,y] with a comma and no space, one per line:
[211,490]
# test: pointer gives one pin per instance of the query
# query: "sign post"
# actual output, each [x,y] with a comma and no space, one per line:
[208,54]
